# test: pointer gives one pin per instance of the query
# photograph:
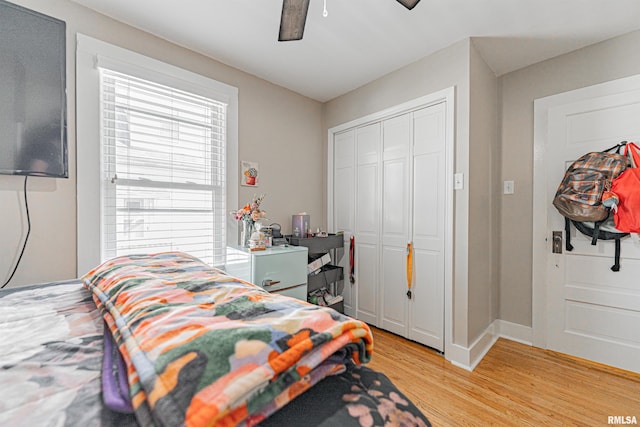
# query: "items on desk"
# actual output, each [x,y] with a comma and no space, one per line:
[262,237]
[276,230]
[259,241]
[300,224]
[277,239]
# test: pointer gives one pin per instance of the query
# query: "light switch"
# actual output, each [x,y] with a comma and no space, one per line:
[458,181]
[509,187]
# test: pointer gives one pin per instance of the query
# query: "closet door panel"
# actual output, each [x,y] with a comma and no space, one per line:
[367,185]
[367,238]
[344,206]
[396,213]
[396,222]
[395,205]
[427,311]
[368,143]
[428,194]
[367,222]
[344,198]
[344,194]
[427,326]
[367,206]
[429,129]
[395,230]
[367,282]
[396,139]
[394,290]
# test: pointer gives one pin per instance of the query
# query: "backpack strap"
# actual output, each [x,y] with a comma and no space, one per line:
[616,147]
[596,231]
[567,235]
[616,265]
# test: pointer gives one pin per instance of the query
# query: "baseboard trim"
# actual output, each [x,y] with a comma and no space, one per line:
[469,358]
[514,331]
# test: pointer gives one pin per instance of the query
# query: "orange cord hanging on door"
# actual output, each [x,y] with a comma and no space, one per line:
[409,268]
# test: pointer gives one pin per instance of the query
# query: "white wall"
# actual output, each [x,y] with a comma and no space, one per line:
[278,128]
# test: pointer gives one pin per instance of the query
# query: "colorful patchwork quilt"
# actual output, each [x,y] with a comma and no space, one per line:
[204,348]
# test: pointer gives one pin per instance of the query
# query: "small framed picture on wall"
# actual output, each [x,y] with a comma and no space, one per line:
[250,173]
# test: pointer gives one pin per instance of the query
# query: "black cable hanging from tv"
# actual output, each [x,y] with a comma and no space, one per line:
[24,245]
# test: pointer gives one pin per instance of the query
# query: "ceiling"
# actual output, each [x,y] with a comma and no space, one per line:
[362,40]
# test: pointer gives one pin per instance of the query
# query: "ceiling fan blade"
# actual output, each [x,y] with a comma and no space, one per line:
[294,16]
[409,4]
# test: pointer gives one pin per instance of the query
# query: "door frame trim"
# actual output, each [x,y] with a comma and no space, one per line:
[448,97]
[541,244]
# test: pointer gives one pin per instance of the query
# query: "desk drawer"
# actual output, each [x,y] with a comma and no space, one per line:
[299,292]
[288,268]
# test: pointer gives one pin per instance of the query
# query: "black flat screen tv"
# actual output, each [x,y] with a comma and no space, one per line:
[33,93]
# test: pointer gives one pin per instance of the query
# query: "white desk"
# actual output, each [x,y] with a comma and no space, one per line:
[279,269]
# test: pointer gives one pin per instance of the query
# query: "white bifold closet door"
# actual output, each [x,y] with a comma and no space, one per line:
[396,222]
[367,228]
[389,190]
[344,186]
[428,226]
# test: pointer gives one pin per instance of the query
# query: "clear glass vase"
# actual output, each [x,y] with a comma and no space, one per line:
[247,230]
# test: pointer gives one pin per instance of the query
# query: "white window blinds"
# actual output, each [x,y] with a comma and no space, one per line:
[163,154]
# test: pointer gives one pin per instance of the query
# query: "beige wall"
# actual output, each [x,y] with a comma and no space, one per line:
[446,68]
[277,128]
[483,196]
[609,60]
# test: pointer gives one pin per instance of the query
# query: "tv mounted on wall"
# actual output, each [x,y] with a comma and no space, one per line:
[33,111]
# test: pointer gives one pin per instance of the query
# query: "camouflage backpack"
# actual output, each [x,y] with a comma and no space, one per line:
[579,196]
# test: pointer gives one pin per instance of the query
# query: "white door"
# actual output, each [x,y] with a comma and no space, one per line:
[592,312]
[367,211]
[398,167]
[391,183]
[396,222]
[344,207]
[426,313]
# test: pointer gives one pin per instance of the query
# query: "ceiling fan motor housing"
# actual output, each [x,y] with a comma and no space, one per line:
[294,17]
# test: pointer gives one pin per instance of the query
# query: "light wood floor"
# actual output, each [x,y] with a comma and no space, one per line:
[514,385]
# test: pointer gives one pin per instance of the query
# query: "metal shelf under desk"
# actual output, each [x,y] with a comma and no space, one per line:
[330,276]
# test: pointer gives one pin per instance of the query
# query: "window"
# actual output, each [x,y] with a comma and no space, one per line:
[157,151]
[163,154]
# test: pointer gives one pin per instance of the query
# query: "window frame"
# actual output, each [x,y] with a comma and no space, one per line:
[92,54]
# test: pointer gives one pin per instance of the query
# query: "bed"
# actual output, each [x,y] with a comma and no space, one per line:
[166,340]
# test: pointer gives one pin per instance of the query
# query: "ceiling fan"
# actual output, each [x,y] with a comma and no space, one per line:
[294,16]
